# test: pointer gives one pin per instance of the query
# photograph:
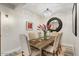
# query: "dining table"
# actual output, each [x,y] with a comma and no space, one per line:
[41,43]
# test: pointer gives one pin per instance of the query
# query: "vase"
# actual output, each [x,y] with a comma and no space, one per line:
[45,35]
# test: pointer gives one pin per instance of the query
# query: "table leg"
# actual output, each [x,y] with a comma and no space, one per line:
[40,52]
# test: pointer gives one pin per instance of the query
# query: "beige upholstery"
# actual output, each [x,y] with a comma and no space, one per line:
[33,35]
[27,50]
[52,49]
[35,52]
[54,33]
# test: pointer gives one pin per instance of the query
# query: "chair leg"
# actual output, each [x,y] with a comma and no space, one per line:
[22,53]
[54,53]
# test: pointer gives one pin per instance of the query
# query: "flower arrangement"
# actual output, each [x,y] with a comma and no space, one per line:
[44,28]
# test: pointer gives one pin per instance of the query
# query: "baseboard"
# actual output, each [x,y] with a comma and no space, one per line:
[9,52]
[68,45]
[72,46]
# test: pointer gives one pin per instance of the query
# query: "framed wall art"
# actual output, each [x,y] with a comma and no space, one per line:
[74,19]
[29,25]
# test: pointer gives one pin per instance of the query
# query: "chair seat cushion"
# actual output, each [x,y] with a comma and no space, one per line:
[49,49]
[35,52]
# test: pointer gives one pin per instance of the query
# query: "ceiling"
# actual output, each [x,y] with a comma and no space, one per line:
[38,8]
[12,5]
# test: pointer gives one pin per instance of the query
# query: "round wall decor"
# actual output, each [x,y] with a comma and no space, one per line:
[56,24]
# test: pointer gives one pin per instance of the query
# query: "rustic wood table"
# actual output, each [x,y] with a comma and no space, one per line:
[41,43]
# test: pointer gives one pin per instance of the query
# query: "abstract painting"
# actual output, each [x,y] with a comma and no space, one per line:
[29,25]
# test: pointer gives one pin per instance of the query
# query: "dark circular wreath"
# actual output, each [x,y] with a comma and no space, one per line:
[59,22]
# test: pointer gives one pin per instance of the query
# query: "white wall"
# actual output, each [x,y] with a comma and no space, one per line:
[13,26]
[9,40]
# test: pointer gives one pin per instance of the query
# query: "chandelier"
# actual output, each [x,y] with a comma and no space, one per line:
[47,12]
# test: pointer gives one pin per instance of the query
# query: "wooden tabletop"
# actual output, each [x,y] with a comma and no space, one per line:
[40,43]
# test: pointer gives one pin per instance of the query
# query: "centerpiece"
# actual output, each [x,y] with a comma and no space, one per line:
[44,28]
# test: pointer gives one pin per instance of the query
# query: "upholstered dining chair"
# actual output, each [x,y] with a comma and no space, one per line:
[26,49]
[59,49]
[52,50]
[33,35]
[54,33]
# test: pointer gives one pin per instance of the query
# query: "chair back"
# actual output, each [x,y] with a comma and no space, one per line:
[57,41]
[33,35]
[55,33]
[60,38]
[25,44]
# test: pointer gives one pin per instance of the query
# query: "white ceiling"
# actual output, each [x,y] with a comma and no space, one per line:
[38,8]
[54,7]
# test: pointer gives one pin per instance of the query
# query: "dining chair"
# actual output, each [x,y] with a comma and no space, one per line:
[33,35]
[52,50]
[25,46]
[54,33]
[59,50]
